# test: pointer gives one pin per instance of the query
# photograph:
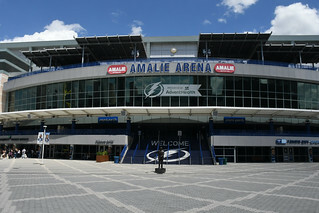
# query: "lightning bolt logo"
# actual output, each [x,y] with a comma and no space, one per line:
[167,155]
[151,88]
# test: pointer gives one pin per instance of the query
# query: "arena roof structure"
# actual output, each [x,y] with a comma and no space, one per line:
[247,46]
[90,49]
[291,53]
[231,45]
[56,57]
[113,47]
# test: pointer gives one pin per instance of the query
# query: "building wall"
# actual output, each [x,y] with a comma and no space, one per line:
[262,141]
[101,71]
[3,79]
[69,139]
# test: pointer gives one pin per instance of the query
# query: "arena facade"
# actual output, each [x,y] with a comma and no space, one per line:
[249,97]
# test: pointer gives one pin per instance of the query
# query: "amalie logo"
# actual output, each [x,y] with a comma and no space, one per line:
[224,68]
[117,69]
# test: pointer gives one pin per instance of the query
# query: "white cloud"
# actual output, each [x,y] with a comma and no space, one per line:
[136,28]
[295,19]
[57,30]
[238,6]
[222,20]
[116,15]
[206,22]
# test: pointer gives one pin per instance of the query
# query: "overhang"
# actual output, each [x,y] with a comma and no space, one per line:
[291,53]
[104,48]
[162,111]
[93,49]
[56,57]
[231,45]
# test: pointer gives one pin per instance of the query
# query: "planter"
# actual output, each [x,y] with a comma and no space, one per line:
[102,158]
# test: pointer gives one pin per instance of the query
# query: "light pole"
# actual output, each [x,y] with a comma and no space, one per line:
[43,140]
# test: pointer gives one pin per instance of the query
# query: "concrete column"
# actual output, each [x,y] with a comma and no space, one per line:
[271,127]
[16,128]
[128,126]
[308,127]
[273,154]
[73,126]
[211,127]
[41,125]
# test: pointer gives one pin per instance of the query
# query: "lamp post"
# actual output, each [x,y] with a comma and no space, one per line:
[43,140]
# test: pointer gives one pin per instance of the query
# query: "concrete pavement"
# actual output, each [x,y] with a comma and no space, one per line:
[87,186]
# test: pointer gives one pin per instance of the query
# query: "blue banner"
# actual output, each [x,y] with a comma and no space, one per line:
[108,120]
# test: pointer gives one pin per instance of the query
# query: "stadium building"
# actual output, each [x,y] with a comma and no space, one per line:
[250,97]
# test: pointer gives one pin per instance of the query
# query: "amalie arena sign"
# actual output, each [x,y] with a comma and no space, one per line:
[173,67]
[224,68]
[117,69]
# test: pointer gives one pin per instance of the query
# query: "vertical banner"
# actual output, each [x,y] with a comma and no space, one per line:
[43,140]
[47,138]
[40,138]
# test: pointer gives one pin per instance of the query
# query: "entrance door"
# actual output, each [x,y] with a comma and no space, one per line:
[288,154]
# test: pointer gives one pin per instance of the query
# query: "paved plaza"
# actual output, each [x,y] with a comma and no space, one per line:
[27,185]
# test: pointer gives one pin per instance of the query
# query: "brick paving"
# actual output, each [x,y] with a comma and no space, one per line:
[27,185]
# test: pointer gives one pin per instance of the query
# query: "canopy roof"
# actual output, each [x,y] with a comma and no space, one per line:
[161,111]
[231,45]
[291,53]
[95,49]
[56,57]
[255,46]
[113,47]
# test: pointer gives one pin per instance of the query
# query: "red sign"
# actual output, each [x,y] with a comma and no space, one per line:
[224,68]
[116,69]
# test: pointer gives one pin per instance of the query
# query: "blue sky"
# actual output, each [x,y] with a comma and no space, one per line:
[22,20]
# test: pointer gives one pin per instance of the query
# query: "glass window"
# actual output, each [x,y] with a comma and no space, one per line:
[112,92]
[129,91]
[217,85]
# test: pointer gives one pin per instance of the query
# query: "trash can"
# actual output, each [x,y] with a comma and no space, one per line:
[116,159]
[225,161]
[221,161]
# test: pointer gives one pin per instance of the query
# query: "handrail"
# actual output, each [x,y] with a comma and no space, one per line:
[134,153]
[213,153]
[123,151]
[201,152]
[216,60]
[145,152]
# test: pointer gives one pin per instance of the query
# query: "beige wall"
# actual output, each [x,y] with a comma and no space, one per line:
[3,79]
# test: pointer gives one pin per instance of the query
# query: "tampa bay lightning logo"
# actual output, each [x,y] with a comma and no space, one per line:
[153,90]
[169,156]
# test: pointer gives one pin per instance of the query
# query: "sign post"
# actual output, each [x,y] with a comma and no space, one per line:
[179,133]
[43,138]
